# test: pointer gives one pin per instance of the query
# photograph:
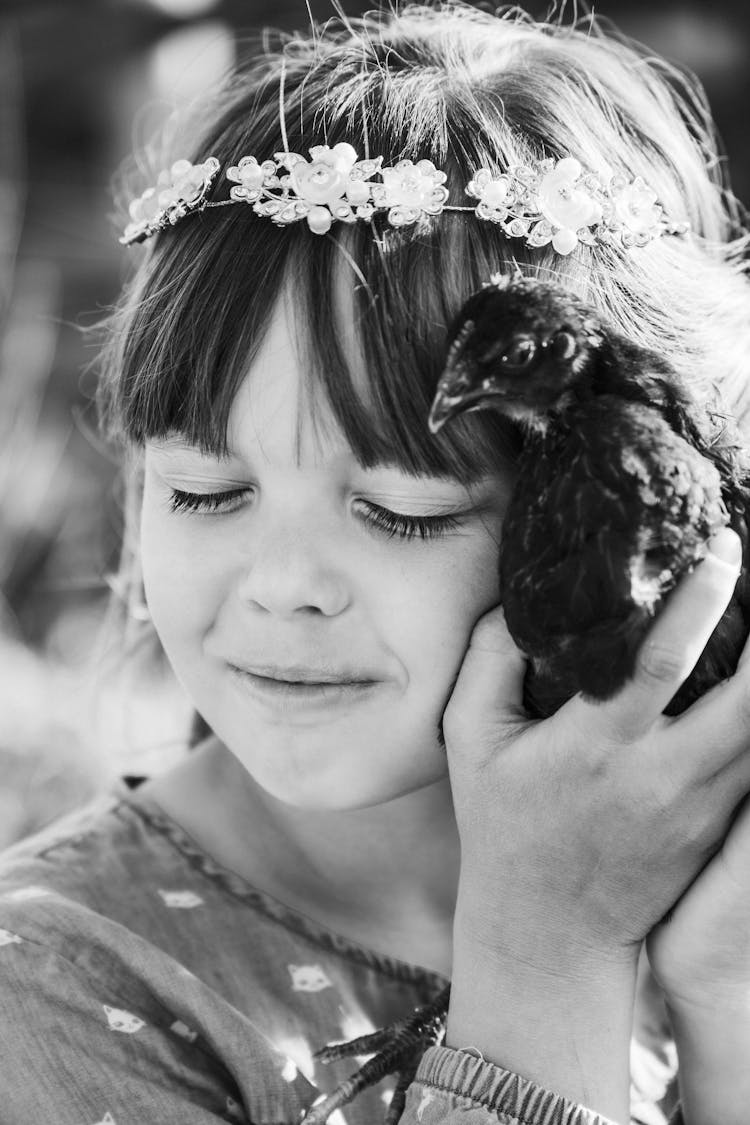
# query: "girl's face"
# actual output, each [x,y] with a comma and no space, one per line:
[317,613]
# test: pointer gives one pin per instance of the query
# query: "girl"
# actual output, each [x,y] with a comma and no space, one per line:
[370,812]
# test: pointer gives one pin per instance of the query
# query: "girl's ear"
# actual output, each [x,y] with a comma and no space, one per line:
[127,629]
[130,573]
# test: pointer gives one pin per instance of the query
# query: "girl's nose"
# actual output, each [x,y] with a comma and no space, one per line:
[289,575]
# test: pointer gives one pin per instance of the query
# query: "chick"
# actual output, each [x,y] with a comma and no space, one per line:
[622,480]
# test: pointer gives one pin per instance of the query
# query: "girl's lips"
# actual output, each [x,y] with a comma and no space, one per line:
[290,693]
[303,673]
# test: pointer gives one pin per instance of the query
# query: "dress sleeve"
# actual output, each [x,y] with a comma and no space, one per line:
[453,1086]
[73,1053]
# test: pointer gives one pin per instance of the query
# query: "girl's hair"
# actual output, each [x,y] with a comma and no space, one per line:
[466,89]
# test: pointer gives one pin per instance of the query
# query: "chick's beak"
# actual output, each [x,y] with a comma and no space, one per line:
[444,406]
[456,395]
[452,395]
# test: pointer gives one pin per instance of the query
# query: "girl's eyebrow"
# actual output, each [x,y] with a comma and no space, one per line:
[174,443]
[171,443]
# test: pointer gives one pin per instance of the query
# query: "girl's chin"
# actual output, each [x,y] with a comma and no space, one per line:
[328,777]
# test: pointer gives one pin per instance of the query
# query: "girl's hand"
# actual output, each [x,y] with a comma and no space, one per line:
[579,832]
[700,955]
[700,952]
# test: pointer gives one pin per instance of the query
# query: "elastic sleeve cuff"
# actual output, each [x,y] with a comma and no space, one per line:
[451,1082]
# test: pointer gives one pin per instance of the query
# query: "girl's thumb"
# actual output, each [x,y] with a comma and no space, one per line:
[488,694]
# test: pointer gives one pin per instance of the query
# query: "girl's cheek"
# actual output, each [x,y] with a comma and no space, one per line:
[446,600]
[181,575]
[470,590]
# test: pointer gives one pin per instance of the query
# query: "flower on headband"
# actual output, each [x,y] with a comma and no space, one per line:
[331,185]
[635,207]
[179,189]
[542,202]
[409,191]
[323,181]
[251,178]
[495,195]
[143,211]
[568,203]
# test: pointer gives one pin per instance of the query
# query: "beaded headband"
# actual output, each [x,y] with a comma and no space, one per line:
[544,202]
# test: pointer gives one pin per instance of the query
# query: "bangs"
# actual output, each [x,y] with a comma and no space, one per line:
[372,324]
[372,306]
[372,303]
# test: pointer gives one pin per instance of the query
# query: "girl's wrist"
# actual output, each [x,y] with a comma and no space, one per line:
[539,936]
[713,1051]
[565,1027]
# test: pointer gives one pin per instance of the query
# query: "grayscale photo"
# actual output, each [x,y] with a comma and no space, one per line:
[374,562]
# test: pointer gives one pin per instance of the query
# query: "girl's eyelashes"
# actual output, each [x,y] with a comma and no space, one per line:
[227,501]
[392,524]
[398,525]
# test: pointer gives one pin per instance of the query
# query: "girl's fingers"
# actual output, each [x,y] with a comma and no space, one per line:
[714,733]
[674,642]
[488,694]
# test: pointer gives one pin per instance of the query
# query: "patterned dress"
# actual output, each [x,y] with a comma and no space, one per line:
[141,983]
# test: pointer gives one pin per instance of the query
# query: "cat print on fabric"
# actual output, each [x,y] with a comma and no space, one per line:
[120,1020]
[181,1029]
[7,938]
[308,978]
[108,1119]
[181,900]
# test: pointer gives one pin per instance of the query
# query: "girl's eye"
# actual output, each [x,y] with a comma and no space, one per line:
[396,524]
[392,524]
[206,501]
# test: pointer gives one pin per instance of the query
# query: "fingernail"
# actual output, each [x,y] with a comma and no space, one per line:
[726,546]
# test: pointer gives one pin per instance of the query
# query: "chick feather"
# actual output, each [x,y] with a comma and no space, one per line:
[622,479]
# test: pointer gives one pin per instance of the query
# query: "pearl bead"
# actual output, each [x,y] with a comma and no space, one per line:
[495,194]
[564,241]
[319,220]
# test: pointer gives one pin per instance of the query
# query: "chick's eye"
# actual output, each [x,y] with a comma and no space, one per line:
[563,345]
[521,352]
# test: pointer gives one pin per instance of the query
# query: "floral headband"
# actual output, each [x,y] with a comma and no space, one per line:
[545,202]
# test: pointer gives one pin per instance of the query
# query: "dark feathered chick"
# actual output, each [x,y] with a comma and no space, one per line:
[622,480]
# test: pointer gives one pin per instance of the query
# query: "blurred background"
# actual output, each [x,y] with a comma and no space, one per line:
[79,79]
